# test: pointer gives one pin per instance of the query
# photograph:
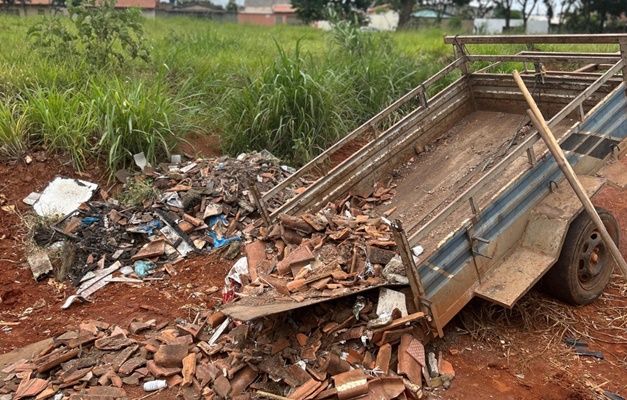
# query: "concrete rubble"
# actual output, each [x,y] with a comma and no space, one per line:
[326,351]
[195,207]
[318,307]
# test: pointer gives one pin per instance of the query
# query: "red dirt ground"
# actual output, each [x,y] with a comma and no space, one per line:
[513,362]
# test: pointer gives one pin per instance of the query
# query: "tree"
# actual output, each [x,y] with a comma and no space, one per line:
[527,8]
[102,36]
[591,16]
[550,11]
[607,8]
[504,8]
[315,10]
[309,11]
[483,7]
[442,5]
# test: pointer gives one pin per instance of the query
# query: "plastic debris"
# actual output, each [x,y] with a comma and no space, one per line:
[89,220]
[143,267]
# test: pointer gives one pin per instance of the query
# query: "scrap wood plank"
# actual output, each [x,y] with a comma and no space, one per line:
[249,308]
[20,355]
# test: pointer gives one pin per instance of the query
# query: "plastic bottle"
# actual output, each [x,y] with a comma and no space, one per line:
[151,386]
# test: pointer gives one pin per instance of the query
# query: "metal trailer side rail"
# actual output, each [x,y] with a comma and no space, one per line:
[323,157]
[606,38]
[497,169]
[446,273]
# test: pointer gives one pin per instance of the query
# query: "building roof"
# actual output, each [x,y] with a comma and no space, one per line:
[429,13]
[145,4]
[283,8]
[262,3]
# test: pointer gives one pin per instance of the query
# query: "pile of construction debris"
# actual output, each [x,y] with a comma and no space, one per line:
[343,248]
[342,349]
[361,343]
[191,207]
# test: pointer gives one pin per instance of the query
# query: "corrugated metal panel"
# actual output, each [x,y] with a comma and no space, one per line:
[607,122]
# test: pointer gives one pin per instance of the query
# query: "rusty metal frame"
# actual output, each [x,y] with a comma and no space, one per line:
[507,160]
[384,146]
[325,156]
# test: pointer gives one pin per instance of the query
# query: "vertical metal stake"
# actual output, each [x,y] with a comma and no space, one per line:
[410,267]
[531,156]
[581,113]
[260,206]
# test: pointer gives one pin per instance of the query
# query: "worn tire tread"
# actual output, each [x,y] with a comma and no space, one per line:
[561,280]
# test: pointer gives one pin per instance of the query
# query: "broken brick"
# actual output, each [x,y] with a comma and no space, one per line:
[171,355]
[407,364]
[350,384]
[174,380]
[222,387]
[189,369]
[299,257]
[130,365]
[160,372]
[110,391]
[216,319]
[241,380]
[383,358]
[305,390]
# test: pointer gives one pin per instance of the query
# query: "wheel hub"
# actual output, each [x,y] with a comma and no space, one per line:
[591,259]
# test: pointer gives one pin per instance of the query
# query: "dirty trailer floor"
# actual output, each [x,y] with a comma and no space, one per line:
[449,166]
[509,361]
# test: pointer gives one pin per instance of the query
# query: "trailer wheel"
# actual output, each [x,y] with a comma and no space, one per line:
[585,264]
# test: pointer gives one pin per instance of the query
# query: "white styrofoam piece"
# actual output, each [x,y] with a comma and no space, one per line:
[64,195]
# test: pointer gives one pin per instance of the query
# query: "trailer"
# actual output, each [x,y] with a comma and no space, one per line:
[484,198]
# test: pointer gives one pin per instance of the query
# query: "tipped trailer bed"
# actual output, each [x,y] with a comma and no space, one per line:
[476,186]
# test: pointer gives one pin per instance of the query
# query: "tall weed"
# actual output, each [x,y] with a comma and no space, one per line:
[139,116]
[13,129]
[290,110]
[63,120]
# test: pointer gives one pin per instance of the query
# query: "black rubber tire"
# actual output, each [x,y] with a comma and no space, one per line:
[585,265]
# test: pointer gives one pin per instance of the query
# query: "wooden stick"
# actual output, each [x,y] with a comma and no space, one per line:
[271,395]
[546,134]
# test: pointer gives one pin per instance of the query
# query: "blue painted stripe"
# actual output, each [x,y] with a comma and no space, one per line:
[527,192]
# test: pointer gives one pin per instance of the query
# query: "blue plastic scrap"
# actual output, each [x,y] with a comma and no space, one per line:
[221,242]
[214,219]
[89,220]
[143,268]
[149,229]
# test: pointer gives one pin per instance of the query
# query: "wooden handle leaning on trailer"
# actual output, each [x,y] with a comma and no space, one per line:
[546,134]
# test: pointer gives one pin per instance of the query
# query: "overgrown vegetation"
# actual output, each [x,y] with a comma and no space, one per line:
[295,109]
[292,90]
[101,35]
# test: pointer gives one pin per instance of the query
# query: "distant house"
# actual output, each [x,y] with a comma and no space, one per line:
[267,13]
[44,7]
[148,7]
[198,9]
[426,17]
[537,24]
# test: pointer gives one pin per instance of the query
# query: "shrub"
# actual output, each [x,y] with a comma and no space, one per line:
[13,129]
[62,120]
[288,110]
[101,35]
[136,116]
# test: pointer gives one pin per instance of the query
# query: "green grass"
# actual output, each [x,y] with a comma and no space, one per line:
[290,89]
